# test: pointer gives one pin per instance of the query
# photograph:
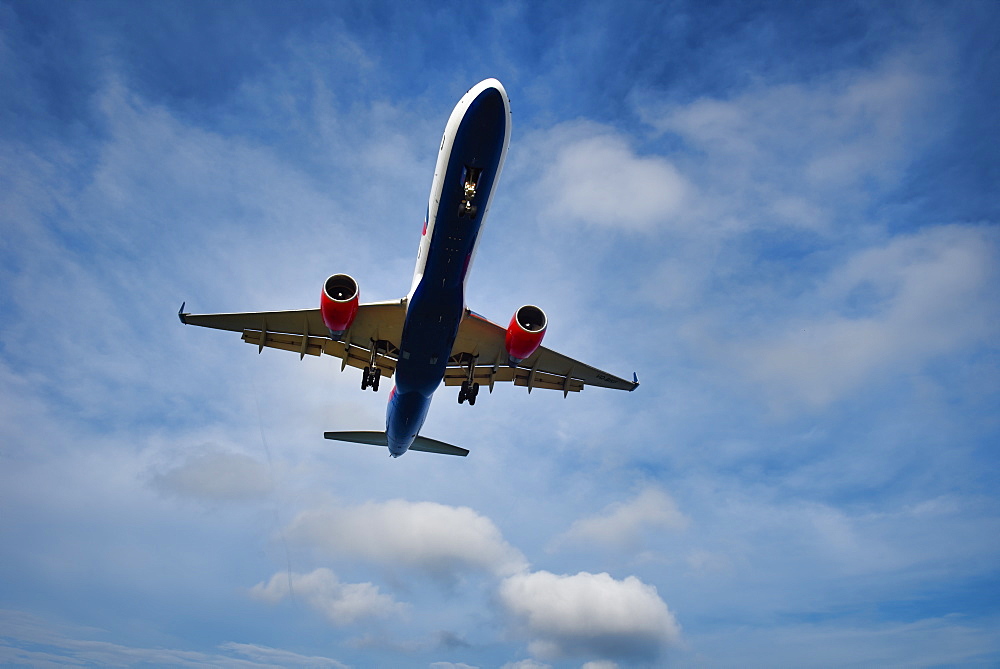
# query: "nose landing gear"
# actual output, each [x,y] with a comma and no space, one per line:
[470,180]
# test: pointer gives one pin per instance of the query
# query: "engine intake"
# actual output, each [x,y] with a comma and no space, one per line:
[338,304]
[525,332]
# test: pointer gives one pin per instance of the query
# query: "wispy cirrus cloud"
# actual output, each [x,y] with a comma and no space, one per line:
[33,641]
[621,525]
[888,309]
[807,155]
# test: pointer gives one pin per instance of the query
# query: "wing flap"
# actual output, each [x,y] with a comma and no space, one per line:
[355,356]
[484,375]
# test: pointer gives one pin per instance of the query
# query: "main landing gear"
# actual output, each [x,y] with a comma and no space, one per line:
[372,372]
[470,389]
[370,378]
[468,392]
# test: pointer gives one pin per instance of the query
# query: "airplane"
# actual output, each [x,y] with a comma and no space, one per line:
[430,335]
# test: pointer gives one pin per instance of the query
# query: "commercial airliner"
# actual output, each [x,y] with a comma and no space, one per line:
[429,336]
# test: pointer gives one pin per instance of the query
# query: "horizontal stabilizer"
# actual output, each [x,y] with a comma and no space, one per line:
[379,439]
[434,446]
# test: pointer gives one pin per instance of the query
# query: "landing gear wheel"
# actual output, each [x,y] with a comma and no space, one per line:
[370,378]
[466,208]
[463,393]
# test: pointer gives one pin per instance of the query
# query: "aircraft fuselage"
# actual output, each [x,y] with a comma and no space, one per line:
[469,162]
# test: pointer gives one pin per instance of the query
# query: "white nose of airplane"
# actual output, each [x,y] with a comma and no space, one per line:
[485,95]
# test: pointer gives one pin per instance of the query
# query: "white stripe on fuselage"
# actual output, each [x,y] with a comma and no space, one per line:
[441,169]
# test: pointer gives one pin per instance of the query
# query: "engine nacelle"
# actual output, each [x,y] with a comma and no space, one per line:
[525,332]
[338,303]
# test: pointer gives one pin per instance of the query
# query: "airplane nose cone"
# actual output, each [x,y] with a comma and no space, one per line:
[488,109]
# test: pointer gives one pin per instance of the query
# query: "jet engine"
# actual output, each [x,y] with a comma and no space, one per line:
[525,332]
[339,303]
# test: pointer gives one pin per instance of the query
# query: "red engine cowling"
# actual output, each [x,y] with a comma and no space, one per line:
[525,332]
[339,303]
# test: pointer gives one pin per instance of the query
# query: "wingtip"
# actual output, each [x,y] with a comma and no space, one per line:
[181,315]
[635,381]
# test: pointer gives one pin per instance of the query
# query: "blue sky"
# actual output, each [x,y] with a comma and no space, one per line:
[783,216]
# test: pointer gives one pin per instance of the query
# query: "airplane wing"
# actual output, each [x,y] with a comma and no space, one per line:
[302,331]
[480,342]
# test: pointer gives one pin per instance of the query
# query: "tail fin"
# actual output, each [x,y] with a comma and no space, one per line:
[379,439]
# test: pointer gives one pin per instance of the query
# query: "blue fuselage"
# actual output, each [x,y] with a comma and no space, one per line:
[472,150]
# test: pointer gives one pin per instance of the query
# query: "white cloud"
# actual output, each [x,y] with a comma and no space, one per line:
[600,664]
[590,615]
[594,176]
[33,641]
[798,154]
[435,538]
[217,476]
[948,641]
[526,664]
[278,657]
[340,603]
[622,524]
[891,308]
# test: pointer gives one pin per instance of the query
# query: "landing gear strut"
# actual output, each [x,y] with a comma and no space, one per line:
[470,180]
[470,389]
[372,372]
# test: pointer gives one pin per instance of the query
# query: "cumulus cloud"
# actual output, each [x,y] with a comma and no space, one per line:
[340,603]
[216,476]
[597,178]
[590,615]
[892,307]
[435,538]
[622,524]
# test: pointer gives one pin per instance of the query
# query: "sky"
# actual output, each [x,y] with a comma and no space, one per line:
[782,216]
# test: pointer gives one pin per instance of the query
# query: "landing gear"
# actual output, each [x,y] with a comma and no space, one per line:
[372,372]
[468,392]
[371,378]
[469,389]
[470,180]
[466,208]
